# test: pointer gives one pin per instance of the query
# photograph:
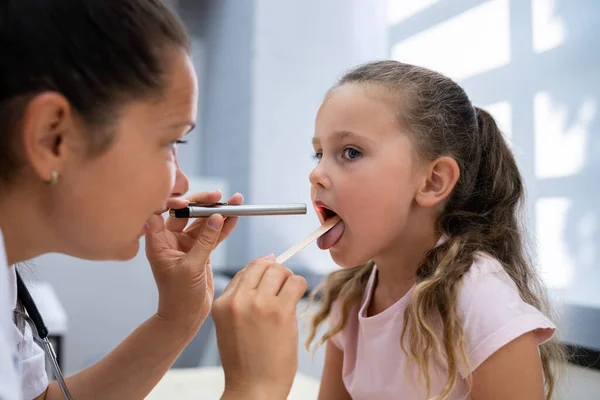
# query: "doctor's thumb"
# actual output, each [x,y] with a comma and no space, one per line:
[207,239]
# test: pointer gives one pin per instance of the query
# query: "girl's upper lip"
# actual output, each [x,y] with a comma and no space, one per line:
[319,203]
[321,210]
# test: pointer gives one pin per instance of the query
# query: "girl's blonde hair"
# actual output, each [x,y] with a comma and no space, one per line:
[481,215]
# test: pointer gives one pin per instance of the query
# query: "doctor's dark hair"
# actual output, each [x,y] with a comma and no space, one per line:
[98,54]
[482,216]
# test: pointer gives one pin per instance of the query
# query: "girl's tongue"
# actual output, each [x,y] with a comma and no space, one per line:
[332,236]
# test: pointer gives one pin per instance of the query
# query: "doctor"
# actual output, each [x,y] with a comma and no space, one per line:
[95,97]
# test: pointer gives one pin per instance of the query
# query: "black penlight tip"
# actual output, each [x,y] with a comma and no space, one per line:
[180,213]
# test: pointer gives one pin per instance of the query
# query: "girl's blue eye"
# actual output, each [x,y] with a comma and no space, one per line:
[318,155]
[351,154]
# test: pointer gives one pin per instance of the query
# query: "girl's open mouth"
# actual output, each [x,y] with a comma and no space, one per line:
[333,236]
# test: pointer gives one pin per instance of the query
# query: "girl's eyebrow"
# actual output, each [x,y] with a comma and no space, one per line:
[340,135]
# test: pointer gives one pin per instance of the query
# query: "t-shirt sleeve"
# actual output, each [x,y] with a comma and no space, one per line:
[493,314]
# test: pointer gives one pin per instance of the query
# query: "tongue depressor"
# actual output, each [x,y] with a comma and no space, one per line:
[320,231]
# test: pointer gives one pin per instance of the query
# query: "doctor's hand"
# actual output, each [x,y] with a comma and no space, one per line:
[180,259]
[257,331]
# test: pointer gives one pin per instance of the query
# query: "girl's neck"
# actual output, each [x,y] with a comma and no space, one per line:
[397,266]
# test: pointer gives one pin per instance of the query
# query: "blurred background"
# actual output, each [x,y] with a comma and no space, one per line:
[263,68]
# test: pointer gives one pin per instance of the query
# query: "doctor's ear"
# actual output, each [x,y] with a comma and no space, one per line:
[48,124]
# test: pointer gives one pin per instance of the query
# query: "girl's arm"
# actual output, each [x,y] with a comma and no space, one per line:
[332,385]
[513,372]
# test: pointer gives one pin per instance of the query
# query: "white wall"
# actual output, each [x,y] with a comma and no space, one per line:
[300,49]
[224,30]
[266,67]
[533,64]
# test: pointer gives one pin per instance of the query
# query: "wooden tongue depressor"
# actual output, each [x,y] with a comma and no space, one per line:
[320,231]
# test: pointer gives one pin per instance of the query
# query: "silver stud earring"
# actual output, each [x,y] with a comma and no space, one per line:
[53,178]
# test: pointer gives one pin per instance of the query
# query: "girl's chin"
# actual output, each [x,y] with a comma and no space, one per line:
[345,261]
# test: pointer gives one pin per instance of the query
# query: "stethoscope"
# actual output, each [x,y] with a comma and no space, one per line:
[40,333]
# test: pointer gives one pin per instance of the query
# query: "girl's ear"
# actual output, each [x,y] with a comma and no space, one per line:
[441,176]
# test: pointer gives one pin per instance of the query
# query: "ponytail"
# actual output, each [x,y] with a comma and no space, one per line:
[487,203]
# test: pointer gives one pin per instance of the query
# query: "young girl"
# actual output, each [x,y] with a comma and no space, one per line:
[444,303]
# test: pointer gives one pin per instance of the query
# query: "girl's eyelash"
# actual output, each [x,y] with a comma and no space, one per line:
[348,149]
[180,141]
[319,154]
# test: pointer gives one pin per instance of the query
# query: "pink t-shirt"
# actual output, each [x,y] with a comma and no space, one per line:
[492,314]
